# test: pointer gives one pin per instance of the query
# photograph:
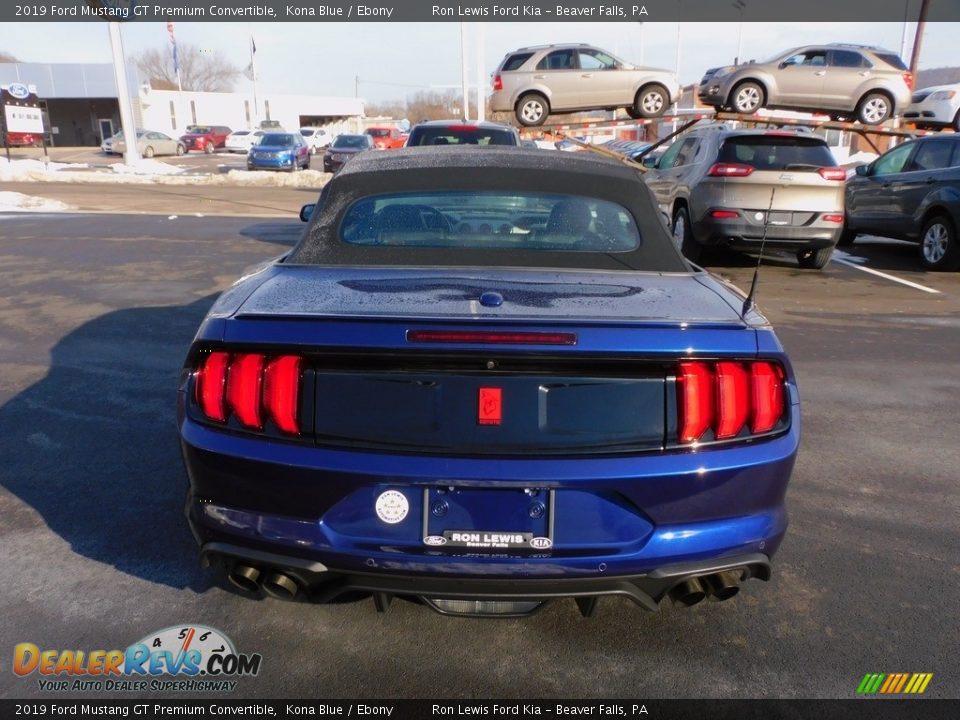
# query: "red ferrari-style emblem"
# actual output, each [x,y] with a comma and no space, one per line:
[490,408]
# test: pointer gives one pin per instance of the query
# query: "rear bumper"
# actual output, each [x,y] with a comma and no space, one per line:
[745,234]
[617,517]
[318,583]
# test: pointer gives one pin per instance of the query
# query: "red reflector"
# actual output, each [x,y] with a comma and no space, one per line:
[766,381]
[695,384]
[209,386]
[733,399]
[833,218]
[497,82]
[490,407]
[243,389]
[724,214]
[491,338]
[730,170]
[281,392]
[832,173]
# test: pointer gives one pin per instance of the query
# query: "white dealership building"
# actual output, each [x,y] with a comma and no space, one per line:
[79,101]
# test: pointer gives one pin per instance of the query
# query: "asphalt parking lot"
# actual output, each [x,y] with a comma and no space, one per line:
[97,311]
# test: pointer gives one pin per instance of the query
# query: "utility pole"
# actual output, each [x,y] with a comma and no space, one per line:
[481,79]
[918,39]
[131,155]
[463,72]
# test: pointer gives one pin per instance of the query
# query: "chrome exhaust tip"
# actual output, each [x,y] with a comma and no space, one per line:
[723,585]
[245,577]
[688,593]
[281,586]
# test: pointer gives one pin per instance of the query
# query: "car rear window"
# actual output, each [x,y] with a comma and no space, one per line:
[351,141]
[500,220]
[892,59]
[513,62]
[777,152]
[457,135]
[278,139]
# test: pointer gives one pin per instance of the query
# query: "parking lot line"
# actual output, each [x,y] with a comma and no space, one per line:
[846,259]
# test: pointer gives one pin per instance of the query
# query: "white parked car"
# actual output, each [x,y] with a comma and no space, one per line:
[239,141]
[935,107]
[317,138]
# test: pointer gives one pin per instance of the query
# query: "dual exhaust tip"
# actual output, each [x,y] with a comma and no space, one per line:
[276,584]
[719,586]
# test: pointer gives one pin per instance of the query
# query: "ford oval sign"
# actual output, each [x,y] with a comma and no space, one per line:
[18,90]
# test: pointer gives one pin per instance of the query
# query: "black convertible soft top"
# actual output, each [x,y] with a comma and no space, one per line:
[482,169]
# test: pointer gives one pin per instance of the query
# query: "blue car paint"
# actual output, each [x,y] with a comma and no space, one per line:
[278,157]
[649,510]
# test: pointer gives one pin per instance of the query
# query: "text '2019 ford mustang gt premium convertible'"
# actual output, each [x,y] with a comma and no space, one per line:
[486,379]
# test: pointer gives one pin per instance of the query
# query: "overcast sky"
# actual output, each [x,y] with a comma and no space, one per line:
[395,59]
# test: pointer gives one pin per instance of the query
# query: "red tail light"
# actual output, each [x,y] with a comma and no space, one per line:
[730,170]
[766,396]
[833,217]
[281,392]
[211,379]
[724,214]
[491,338]
[244,380]
[696,394]
[252,388]
[497,82]
[733,399]
[832,173]
[728,396]
[908,79]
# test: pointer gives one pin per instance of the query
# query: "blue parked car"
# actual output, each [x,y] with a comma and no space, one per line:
[279,151]
[485,381]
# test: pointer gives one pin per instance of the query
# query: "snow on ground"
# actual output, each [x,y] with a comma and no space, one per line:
[145,166]
[31,169]
[149,172]
[18,202]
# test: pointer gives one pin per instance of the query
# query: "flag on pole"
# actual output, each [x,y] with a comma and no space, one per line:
[250,71]
[173,47]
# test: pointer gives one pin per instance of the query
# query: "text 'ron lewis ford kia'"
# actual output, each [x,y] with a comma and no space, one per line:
[486,380]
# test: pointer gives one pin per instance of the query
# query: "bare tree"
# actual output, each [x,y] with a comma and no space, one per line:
[433,105]
[6,57]
[200,70]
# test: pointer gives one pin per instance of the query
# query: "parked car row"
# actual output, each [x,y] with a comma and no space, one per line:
[738,188]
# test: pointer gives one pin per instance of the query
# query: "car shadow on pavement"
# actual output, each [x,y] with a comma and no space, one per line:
[884,254]
[92,449]
[279,232]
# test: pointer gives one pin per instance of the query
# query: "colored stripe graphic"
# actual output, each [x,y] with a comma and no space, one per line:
[894,683]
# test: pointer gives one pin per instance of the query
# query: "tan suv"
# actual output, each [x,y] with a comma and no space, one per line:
[866,83]
[715,184]
[535,82]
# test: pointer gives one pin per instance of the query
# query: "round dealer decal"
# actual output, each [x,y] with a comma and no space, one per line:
[19,91]
[392,507]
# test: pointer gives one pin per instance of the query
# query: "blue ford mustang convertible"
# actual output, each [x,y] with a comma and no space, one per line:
[485,380]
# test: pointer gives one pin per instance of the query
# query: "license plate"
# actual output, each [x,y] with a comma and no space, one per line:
[488,519]
[488,540]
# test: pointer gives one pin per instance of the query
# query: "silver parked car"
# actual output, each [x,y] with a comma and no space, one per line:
[866,83]
[535,82]
[149,143]
[715,184]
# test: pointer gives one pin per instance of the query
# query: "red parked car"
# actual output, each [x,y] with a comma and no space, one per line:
[386,137]
[205,138]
